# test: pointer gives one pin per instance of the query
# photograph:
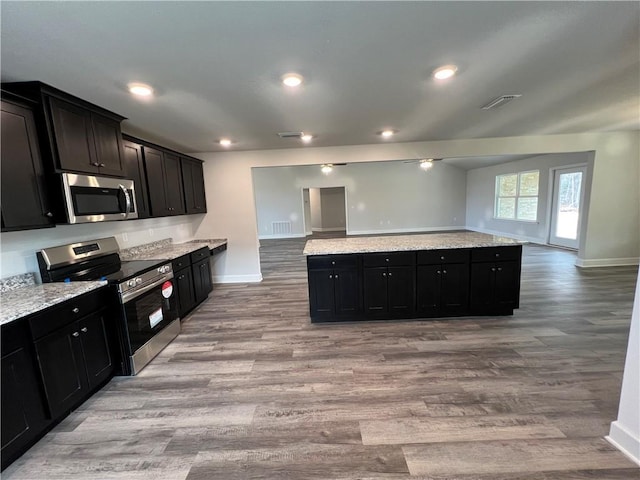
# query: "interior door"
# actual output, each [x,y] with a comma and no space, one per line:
[568,196]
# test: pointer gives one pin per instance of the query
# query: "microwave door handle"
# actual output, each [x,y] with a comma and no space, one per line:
[127,200]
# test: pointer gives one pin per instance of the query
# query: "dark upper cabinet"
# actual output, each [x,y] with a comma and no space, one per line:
[193,179]
[164,179]
[78,136]
[134,169]
[25,203]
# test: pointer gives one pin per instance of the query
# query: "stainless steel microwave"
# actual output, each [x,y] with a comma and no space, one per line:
[98,199]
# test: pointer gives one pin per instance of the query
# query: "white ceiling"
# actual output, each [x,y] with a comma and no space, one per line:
[216,67]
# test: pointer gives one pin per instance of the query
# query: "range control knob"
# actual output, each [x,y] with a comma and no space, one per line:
[163,269]
[138,280]
[131,283]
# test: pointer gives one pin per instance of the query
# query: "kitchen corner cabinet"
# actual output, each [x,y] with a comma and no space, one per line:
[134,169]
[389,284]
[495,279]
[334,286]
[164,180]
[442,282]
[23,413]
[25,203]
[74,352]
[193,179]
[78,136]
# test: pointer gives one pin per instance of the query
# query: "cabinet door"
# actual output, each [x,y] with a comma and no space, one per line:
[454,299]
[173,184]
[507,284]
[375,290]
[62,368]
[24,201]
[154,165]
[23,415]
[73,134]
[482,285]
[401,290]
[95,347]
[201,280]
[346,291]
[108,140]
[428,289]
[185,290]
[193,177]
[321,292]
[134,169]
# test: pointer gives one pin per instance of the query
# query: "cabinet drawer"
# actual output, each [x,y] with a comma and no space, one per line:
[200,254]
[181,262]
[452,255]
[330,261]
[58,316]
[389,259]
[490,254]
[14,336]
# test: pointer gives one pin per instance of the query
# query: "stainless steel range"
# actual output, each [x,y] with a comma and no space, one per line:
[144,290]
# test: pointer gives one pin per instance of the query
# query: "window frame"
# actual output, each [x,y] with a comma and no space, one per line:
[516,197]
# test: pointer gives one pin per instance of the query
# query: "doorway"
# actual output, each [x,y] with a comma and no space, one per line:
[567,206]
[324,210]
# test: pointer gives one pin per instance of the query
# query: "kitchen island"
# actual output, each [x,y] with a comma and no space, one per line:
[413,276]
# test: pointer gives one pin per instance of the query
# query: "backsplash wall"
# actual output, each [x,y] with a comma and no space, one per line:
[18,249]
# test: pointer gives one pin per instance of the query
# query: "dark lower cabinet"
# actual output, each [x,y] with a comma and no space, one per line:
[433,283]
[192,274]
[186,294]
[23,412]
[74,360]
[201,280]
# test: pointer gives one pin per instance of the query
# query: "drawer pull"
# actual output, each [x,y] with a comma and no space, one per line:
[438,272]
[442,258]
[333,263]
[499,269]
[75,310]
[386,259]
[336,275]
[84,329]
[384,274]
[330,276]
[444,271]
[390,273]
[493,269]
[497,255]
[75,334]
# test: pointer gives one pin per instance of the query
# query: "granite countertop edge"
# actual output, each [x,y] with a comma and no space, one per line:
[404,243]
[25,301]
[167,250]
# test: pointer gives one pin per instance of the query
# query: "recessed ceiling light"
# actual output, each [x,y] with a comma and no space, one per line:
[292,79]
[327,168]
[140,89]
[444,72]
[306,137]
[426,163]
[225,142]
[387,133]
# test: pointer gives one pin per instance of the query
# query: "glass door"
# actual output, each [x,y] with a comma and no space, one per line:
[568,194]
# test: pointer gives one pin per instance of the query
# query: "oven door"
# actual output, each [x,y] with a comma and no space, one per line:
[148,313]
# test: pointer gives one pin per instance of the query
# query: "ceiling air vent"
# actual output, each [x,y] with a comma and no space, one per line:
[290,134]
[498,102]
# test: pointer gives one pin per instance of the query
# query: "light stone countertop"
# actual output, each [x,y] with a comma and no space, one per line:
[399,243]
[167,250]
[20,302]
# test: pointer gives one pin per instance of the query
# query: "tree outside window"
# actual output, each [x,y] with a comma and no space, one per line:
[517,196]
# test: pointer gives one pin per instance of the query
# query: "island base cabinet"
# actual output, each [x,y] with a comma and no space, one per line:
[334,293]
[442,290]
[389,291]
[495,287]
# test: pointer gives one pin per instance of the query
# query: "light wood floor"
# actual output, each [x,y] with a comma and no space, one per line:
[252,390]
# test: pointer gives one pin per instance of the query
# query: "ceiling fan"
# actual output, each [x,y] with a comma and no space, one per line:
[425,163]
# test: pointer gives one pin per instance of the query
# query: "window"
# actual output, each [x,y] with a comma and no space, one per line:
[517,196]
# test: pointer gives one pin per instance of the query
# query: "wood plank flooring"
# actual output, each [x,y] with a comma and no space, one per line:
[251,390]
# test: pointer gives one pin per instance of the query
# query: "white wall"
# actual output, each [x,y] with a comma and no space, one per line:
[381,197]
[612,234]
[18,249]
[625,431]
[481,195]
[333,209]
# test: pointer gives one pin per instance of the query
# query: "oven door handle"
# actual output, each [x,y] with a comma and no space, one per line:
[128,296]
[127,201]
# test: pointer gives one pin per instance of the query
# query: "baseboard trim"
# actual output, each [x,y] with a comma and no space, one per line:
[330,229]
[405,230]
[508,234]
[624,441]
[607,262]
[284,235]
[253,278]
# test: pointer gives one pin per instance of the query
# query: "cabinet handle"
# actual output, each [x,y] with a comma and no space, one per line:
[48,214]
[333,263]
[493,269]
[497,255]
[386,259]
[441,258]
[499,269]
[390,273]
[180,277]
[84,329]
[330,276]
[438,272]
[102,165]
[336,276]
[384,274]
[75,334]
[444,271]
[95,164]
[75,310]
